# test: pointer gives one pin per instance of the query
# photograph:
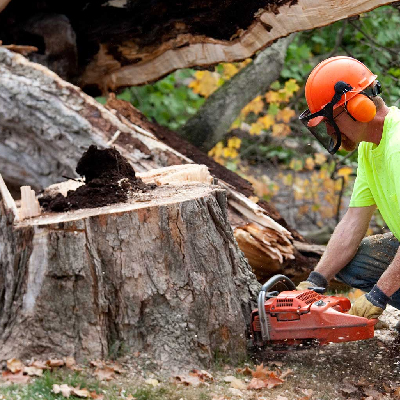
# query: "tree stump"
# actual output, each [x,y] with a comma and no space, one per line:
[161,274]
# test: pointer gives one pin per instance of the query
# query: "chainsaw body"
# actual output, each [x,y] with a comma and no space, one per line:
[296,317]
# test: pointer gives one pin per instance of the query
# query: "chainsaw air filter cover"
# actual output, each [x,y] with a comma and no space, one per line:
[294,317]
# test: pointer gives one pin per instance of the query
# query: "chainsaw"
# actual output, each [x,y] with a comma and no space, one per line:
[295,317]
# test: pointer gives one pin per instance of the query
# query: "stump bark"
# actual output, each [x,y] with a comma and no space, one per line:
[160,274]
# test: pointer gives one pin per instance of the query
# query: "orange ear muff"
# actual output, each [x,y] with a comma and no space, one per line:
[361,108]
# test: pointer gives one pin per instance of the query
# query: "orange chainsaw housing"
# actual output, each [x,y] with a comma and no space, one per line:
[294,317]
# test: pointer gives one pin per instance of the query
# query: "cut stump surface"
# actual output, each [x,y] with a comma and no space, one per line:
[161,273]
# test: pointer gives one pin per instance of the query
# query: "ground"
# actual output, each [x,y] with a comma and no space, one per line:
[355,370]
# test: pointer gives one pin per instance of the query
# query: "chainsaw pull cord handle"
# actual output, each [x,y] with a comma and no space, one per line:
[261,301]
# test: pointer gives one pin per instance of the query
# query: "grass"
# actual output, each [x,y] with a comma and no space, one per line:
[41,388]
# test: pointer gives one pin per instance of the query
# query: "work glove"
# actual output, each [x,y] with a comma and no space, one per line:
[370,305]
[315,279]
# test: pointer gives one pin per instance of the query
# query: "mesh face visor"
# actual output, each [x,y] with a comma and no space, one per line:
[326,131]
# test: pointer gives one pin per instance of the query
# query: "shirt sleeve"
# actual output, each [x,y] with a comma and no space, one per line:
[362,195]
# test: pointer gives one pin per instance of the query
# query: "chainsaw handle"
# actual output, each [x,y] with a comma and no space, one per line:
[261,300]
[278,279]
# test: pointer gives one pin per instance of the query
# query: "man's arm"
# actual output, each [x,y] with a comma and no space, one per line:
[342,246]
[345,240]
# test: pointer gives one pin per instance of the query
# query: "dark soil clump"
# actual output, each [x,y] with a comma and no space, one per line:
[109,178]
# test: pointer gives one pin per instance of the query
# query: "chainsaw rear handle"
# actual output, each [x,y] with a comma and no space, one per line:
[261,301]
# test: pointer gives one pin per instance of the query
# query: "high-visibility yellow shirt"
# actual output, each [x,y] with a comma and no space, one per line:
[378,173]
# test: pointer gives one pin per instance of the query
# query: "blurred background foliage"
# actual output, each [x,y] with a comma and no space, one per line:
[266,144]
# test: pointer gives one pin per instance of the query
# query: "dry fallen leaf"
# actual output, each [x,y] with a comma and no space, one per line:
[286,373]
[39,364]
[97,363]
[261,372]
[238,384]
[188,380]
[64,389]
[152,382]
[245,371]
[348,388]
[371,392]
[83,393]
[14,365]
[235,392]
[18,378]
[257,383]
[55,363]
[104,374]
[202,374]
[33,371]
[308,394]
[95,396]
[116,367]
[70,362]
[270,382]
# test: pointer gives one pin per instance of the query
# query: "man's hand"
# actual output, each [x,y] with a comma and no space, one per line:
[314,280]
[364,308]
[305,285]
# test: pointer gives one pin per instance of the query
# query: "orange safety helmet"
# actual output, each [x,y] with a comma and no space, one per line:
[338,81]
[320,87]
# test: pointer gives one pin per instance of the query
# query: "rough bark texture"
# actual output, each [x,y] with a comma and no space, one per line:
[162,275]
[46,124]
[215,117]
[107,44]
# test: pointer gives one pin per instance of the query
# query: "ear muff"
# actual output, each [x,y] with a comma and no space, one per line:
[361,108]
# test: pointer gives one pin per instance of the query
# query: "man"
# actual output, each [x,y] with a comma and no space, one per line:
[345,110]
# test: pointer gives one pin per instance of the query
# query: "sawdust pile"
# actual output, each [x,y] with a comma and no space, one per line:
[109,178]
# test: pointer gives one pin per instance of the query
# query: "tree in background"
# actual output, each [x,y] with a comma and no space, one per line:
[245,114]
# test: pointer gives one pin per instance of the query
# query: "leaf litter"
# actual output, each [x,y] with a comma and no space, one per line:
[341,371]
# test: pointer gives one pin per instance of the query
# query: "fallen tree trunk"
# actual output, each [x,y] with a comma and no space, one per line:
[160,274]
[128,43]
[47,123]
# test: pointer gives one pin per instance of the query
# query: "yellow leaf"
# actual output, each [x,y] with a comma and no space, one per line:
[345,172]
[320,158]
[338,185]
[267,121]
[254,199]
[205,82]
[304,209]
[296,164]
[234,142]
[288,180]
[229,70]
[255,106]
[285,115]
[245,62]
[315,207]
[256,128]
[272,97]
[217,150]
[309,163]
[280,130]
[291,86]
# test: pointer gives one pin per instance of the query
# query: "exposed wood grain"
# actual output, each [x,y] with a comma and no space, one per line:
[160,274]
[269,26]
